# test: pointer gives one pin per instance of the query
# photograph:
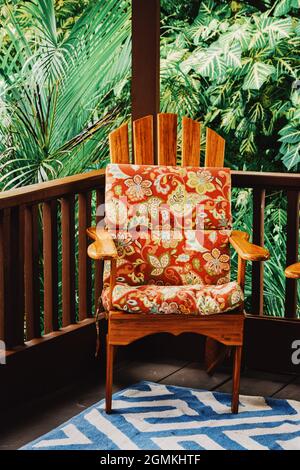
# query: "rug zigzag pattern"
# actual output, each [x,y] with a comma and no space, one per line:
[154,416]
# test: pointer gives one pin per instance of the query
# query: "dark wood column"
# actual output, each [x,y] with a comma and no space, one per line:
[145,58]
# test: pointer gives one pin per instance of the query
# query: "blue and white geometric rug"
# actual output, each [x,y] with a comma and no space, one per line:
[154,416]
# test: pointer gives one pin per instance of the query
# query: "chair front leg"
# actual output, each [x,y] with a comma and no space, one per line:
[236,379]
[109,375]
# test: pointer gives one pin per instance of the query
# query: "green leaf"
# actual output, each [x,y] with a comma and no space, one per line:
[270,31]
[283,7]
[232,55]
[258,74]
[211,63]
[237,32]
[279,29]
[290,135]
[291,158]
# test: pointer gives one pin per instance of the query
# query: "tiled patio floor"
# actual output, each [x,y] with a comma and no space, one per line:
[53,410]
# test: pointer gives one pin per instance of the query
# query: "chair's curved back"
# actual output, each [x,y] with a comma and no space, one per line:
[143,143]
[212,238]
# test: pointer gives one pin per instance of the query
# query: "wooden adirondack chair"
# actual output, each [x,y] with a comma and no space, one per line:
[123,328]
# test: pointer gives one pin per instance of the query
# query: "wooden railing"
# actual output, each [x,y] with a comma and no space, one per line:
[47,292]
[290,185]
[34,222]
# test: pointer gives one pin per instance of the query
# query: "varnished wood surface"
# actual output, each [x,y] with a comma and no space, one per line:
[293,271]
[215,149]
[126,328]
[247,251]
[41,192]
[118,145]
[236,378]
[109,376]
[143,141]
[167,139]
[190,142]
[103,246]
[145,58]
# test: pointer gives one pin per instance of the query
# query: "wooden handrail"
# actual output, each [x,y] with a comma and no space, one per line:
[82,182]
[41,192]
[265,180]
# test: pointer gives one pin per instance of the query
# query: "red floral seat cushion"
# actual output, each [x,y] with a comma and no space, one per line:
[171,226]
[186,300]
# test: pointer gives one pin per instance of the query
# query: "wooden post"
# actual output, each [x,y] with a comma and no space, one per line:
[145,59]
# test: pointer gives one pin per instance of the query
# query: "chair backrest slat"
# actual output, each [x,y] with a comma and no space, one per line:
[118,144]
[143,141]
[167,139]
[190,142]
[215,149]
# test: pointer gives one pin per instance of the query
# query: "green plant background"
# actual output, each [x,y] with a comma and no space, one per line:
[65,83]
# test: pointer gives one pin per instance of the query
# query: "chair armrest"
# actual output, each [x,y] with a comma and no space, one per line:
[246,250]
[293,271]
[103,247]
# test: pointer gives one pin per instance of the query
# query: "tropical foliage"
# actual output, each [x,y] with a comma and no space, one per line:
[60,87]
[236,68]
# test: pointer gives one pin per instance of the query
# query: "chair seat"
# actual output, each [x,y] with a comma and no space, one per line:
[186,300]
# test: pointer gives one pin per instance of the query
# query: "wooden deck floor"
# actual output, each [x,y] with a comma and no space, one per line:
[40,417]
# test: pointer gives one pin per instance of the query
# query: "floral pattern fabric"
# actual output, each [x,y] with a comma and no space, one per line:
[139,195]
[171,227]
[186,300]
[201,257]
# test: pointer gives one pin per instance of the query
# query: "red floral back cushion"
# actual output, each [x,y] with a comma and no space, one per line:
[171,224]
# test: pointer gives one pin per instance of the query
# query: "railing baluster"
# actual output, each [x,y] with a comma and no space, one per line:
[292,251]
[2,277]
[68,260]
[12,277]
[31,272]
[98,264]
[50,254]
[84,271]
[259,197]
